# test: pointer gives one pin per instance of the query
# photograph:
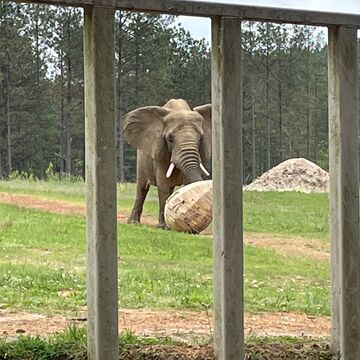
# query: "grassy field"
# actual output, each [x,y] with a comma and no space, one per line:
[287,213]
[74,191]
[42,256]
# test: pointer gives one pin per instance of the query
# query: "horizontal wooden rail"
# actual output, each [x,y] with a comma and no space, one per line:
[210,9]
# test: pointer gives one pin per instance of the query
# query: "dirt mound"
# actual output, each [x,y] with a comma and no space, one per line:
[293,175]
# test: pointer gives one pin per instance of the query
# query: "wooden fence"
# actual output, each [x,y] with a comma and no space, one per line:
[227,168]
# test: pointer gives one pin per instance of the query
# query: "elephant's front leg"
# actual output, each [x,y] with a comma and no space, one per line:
[163,194]
[142,189]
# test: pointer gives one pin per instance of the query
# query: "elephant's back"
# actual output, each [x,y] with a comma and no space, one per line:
[177,105]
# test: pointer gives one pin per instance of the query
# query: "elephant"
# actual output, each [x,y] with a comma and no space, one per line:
[172,143]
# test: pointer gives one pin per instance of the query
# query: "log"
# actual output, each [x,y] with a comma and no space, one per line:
[189,209]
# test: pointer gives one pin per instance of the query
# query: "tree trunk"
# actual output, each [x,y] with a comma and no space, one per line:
[308,133]
[8,120]
[2,115]
[120,137]
[67,120]
[252,107]
[280,98]
[253,128]
[290,102]
[40,140]
[316,130]
[280,119]
[268,128]
[1,165]
[62,115]
[137,61]
[308,109]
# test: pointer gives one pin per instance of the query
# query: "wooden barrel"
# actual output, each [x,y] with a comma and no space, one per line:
[189,209]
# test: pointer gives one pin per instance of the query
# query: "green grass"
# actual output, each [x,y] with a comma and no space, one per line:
[74,191]
[68,345]
[71,345]
[64,190]
[42,269]
[281,213]
[287,213]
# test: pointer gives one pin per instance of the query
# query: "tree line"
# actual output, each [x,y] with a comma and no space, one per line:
[41,87]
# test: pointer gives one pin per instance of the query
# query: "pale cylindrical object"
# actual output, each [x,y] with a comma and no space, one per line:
[170,170]
[189,209]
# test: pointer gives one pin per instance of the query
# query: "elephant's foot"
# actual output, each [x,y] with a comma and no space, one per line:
[163,225]
[134,217]
[133,220]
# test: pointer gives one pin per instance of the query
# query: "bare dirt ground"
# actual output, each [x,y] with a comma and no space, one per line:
[184,325]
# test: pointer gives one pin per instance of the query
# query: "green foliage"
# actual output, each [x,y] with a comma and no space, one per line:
[50,173]
[285,95]
[323,156]
[28,176]
[41,97]
[68,345]
[285,87]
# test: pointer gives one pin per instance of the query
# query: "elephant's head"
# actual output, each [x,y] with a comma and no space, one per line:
[174,134]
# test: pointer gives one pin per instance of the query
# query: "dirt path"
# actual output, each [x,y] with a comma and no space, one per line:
[56,206]
[181,325]
[294,246]
[186,325]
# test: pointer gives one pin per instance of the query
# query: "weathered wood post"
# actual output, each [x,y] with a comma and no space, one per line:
[101,184]
[344,191]
[227,185]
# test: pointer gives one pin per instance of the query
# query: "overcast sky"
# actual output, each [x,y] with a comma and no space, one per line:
[200,27]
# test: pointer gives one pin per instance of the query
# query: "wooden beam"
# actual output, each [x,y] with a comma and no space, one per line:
[102,281]
[227,189]
[344,191]
[211,9]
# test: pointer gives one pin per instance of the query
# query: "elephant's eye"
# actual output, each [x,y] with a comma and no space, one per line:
[170,139]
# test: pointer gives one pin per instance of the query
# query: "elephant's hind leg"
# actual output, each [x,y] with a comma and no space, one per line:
[142,189]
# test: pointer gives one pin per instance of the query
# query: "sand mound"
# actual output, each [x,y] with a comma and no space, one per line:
[293,175]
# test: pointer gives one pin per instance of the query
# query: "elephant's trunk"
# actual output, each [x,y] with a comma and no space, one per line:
[187,160]
[192,176]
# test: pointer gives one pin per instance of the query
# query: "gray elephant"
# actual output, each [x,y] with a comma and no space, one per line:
[172,141]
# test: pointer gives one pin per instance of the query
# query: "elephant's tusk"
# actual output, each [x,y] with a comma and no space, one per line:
[202,167]
[170,170]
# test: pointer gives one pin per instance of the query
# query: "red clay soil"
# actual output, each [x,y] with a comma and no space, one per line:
[56,206]
[184,325]
[181,325]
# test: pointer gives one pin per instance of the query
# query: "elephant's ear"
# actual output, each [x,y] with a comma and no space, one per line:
[205,146]
[143,128]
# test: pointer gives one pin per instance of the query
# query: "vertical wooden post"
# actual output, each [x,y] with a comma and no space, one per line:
[344,191]
[227,185]
[101,184]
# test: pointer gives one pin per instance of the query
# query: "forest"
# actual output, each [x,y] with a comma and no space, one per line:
[41,87]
